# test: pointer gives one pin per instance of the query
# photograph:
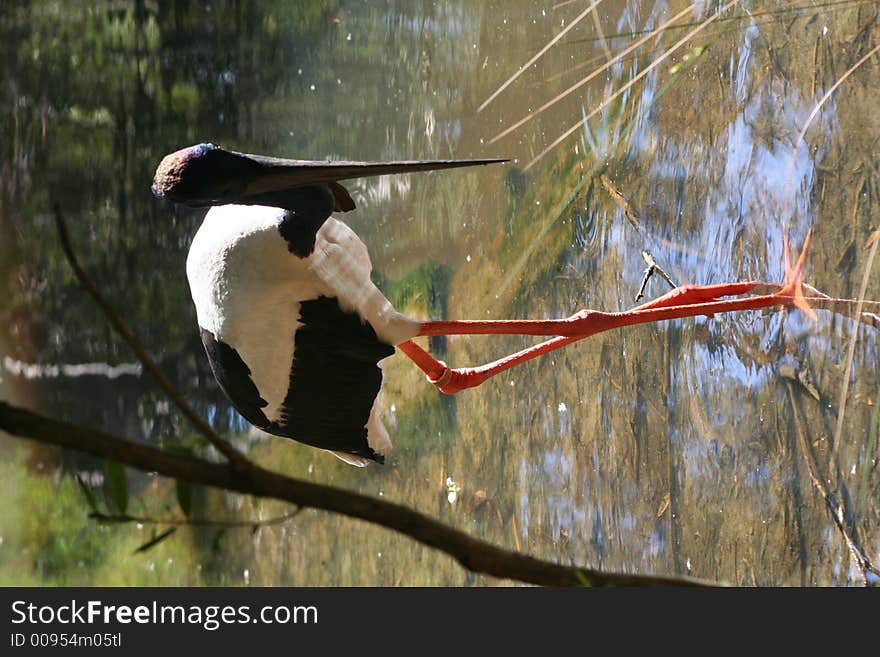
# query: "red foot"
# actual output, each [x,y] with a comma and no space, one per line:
[793,288]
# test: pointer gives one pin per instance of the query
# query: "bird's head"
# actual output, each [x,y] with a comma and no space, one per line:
[203,175]
[206,174]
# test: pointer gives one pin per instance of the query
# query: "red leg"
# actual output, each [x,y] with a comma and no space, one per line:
[686,301]
[688,296]
[450,380]
[588,322]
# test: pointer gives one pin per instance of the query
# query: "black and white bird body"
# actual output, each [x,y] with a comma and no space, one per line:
[294,328]
[292,324]
[295,340]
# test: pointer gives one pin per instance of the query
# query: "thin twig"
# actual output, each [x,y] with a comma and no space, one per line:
[834,506]
[632,216]
[194,522]
[234,456]
[828,93]
[850,355]
[539,54]
[597,23]
[646,276]
[577,85]
[653,268]
[472,553]
[678,44]
[804,11]
[800,138]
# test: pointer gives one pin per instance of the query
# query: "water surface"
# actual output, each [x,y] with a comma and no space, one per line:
[699,446]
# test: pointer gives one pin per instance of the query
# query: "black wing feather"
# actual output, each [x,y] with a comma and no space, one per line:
[334,380]
[234,377]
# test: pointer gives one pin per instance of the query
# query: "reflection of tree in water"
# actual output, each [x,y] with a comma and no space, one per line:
[735,392]
[676,442]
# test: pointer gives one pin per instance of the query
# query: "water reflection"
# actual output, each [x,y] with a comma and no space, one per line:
[670,449]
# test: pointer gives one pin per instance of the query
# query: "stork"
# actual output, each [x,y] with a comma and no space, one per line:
[295,330]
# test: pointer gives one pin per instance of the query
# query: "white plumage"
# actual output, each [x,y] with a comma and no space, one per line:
[247,288]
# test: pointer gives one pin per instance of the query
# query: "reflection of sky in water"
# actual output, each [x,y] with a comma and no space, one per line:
[564,511]
[761,186]
[656,545]
[722,371]
[226,418]
[523,485]
[739,69]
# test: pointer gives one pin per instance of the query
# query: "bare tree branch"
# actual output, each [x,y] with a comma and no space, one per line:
[235,457]
[473,554]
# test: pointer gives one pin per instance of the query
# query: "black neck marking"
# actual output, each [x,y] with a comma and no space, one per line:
[307,208]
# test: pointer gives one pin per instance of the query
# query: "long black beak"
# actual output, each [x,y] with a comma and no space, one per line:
[206,174]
